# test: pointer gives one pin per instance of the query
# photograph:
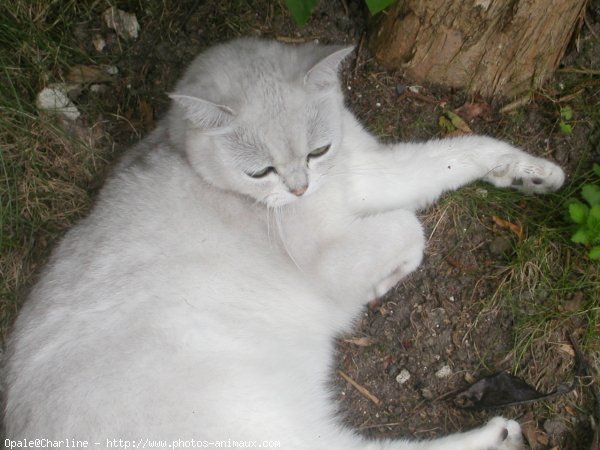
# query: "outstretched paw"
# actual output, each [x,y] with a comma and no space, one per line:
[526,173]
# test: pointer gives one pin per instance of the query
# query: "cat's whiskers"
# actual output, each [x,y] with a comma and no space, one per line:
[269,225]
[278,212]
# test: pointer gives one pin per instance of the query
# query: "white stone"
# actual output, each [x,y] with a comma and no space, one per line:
[124,23]
[444,372]
[54,99]
[403,376]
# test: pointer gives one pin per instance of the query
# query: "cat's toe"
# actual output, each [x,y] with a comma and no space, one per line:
[527,174]
[541,177]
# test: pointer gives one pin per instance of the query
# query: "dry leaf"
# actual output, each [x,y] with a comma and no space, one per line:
[570,410]
[503,389]
[516,228]
[146,114]
[566,348]
[458,122]
[530,430]
[470,111]
[542,438]
[88,74]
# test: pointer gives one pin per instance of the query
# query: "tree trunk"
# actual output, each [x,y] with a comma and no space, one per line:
[488,47]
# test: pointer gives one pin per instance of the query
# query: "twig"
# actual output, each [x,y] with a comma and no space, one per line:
[589,27]
[420,97]
[516,104]
[294,40]
[579,70]
[378,425]
[346,10]
[361,389]
[358,51]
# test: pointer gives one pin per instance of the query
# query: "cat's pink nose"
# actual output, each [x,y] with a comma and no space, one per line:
[299,191]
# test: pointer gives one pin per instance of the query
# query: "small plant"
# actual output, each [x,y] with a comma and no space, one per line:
[566,115]
[587,217]
[302,9]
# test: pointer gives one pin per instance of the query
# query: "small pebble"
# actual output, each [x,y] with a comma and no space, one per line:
[427,394]
[469,378]
[98,42]
[555,427]
[400,88]
[481,192]
[54,99]
[444,372]
[403,376]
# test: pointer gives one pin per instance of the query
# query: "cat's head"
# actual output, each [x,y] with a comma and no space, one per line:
[262,118]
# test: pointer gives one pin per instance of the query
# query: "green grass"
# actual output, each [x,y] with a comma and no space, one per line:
[45,171]
[547,282]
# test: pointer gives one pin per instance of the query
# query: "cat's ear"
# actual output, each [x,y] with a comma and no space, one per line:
[204,114]
[323,75]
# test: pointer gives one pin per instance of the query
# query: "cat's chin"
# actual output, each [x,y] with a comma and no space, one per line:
[279,199]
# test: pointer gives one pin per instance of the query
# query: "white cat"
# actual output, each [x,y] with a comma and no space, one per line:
[200,299]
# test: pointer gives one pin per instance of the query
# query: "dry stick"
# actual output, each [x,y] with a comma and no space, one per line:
[363,390]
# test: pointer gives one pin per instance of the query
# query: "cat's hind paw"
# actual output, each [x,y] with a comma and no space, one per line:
[503,434]
[526,173]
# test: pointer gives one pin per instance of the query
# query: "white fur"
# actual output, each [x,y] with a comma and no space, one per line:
[197,302]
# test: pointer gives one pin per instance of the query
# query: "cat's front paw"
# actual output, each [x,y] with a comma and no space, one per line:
[526,173]
[501,434]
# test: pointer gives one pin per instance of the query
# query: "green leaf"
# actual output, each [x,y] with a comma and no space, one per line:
[566,113]
[594,252]
[596,169]
[591,194]
[458,122]
[565,127]
[446,124]
[378,5]
[581,236]
[578,212]
[593,225]
[301,9]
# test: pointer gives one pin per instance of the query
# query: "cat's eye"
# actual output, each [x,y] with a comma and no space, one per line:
[262,173]
[319,151]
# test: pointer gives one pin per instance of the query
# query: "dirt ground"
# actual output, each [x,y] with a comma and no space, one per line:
[440,324]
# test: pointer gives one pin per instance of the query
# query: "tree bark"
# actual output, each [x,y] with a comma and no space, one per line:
[488,47]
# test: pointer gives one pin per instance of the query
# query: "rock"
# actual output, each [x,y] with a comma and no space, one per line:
[555,427]
[392,370]
[98,42]
[500,246]
[401,88]
[403,376]
[427,394]
[444,372]
[54,99]
[125,24]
